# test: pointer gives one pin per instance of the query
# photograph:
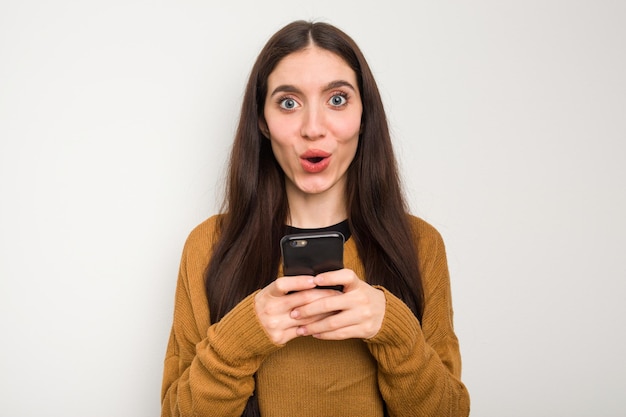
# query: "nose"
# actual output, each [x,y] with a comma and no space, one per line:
[313,123]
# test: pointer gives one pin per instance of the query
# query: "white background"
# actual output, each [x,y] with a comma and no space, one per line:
[509,119]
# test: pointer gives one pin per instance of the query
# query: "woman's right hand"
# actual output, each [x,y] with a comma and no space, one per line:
[274,303]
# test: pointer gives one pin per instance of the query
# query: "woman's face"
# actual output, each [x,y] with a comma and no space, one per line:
[313,118]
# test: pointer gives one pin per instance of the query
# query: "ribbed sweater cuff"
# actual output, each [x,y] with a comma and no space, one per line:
[239,337]
[400,328]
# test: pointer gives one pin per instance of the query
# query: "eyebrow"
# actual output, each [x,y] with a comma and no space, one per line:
[288,88]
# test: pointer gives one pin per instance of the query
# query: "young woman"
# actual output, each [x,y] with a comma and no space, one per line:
[313,152]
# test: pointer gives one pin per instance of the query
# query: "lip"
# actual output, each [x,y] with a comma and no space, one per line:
[315,160]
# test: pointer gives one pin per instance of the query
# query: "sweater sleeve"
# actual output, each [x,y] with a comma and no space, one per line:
[209,369]
[419,364]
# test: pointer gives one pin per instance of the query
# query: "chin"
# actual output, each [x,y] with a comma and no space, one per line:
[314,186]
[313,189]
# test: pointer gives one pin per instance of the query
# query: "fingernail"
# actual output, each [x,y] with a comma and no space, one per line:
[295,314]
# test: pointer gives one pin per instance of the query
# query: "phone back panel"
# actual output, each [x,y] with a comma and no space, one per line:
[312,253]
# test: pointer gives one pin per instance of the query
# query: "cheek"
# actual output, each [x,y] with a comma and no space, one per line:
[347,149]
[283,152]
[346,125]
[281,127]
[278,149]
[352,148]
[348,132]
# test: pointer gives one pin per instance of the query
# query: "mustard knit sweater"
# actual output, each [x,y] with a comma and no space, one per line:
[413,367]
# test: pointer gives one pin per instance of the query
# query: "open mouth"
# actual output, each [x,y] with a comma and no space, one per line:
[315,161]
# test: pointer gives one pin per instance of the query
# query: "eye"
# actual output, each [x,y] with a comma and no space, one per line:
[338,100]
[288,103]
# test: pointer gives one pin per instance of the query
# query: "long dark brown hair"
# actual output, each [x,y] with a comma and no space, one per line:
[247,254]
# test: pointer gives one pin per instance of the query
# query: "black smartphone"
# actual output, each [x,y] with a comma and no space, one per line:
[312,254]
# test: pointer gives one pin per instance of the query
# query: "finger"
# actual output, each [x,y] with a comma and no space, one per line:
[285,285]
[283,336]
[351,332]
[355,311]
[339,327]
[331,302]
[293,331]
[275,312]
[286,303]
[309,320]
[343,277]
[328,322]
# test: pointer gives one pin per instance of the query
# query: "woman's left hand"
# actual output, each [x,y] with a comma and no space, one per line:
[358,310]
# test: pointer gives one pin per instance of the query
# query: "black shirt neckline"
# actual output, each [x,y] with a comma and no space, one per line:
[342,227]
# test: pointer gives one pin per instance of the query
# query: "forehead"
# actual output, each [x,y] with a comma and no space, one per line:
[312,66]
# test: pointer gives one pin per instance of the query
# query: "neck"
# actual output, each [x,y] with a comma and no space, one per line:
[309,211]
